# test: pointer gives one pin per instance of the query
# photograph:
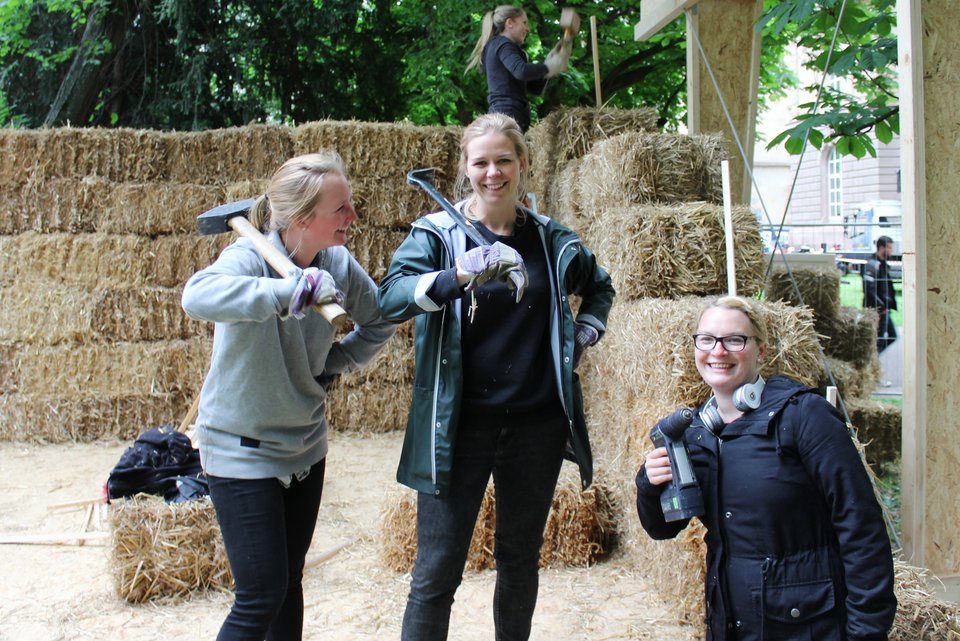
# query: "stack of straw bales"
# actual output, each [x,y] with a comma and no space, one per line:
[580,531]
[848,336]
[97,238]
[166,550]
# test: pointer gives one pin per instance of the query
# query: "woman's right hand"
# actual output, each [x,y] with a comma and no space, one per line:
[657,467]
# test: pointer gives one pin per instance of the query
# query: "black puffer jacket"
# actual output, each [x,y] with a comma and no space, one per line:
[796,544]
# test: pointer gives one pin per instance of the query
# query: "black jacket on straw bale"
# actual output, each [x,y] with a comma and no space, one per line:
[796,543]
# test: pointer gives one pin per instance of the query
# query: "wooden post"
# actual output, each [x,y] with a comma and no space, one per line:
[728,228]
[596,61]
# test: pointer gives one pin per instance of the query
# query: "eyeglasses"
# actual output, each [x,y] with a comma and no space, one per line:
[731,343]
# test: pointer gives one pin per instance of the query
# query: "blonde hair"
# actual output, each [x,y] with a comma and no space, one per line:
[492,25]
[495,123]
[747,306]
[294,190]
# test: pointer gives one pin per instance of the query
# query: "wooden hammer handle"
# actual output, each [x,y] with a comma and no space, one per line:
[279,261]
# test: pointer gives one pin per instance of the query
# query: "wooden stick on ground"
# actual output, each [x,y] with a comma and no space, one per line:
[329,554]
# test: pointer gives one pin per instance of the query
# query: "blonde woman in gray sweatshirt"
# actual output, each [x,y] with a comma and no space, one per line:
[261,427]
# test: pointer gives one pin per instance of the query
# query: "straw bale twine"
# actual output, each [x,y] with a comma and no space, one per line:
[120,155]
[54,419]
[383,150]
[38,311]
[819,289]
[568,133]
[879,428]
[675,250]
[851,335]
[580,528]
[165,550]
[920,615]
[111,260]
[636,168]
[219,156]
[850,379]
[109,369]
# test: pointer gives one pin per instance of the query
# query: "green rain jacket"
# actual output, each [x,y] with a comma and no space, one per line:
[434,241]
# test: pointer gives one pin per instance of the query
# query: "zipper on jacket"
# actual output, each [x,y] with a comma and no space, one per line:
[763,594]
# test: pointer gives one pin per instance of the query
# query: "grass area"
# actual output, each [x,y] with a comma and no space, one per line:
[851,295]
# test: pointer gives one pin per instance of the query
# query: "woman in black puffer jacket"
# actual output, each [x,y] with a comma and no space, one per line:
[796,544]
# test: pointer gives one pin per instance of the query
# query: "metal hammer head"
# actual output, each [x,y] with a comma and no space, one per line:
[214,221]
[417,176]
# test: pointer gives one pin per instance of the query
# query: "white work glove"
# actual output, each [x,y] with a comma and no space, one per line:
[496,261]
[557,59]
[314,287]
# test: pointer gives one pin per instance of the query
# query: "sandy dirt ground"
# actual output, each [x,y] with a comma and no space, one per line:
[53,592]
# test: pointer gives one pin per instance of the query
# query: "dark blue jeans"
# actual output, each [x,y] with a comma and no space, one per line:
[525,462]
[267,530]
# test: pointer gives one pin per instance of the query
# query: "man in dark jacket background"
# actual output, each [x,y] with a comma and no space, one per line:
[878,292]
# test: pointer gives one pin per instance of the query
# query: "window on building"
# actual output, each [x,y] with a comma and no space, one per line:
[835,184]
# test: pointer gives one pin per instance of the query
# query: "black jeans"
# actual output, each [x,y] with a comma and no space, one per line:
[886,331]
[267,530]
[525,462]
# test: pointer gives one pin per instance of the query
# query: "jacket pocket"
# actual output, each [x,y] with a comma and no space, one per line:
[798,602]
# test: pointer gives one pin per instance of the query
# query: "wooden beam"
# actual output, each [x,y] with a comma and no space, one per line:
[913,200]
[656,14]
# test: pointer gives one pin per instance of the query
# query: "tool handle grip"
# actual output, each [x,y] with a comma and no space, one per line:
[281,263]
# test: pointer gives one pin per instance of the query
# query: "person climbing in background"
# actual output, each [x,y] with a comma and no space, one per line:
[510,75]
[495,391]
[261,427]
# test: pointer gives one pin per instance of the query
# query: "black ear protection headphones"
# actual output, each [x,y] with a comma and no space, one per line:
[745,399]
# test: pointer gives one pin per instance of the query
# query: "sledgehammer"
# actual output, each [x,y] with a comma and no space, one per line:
[234,216]
[569,22]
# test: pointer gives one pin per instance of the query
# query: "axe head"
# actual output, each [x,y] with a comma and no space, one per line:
[418,176]
[214,221]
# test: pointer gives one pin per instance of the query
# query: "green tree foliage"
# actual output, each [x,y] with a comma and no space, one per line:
[864,55]
[198,64]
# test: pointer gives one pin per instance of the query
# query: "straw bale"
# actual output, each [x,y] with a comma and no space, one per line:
[120,155]
[920,615]
[220,156]
[55,419]
[580,528]
[18,154]
[70,371]
[393,203]
[373,247]
[851,335]
[564,198]
[383,150]
[878,428]
[368,405]
[165,550]
[636,168]
[244,189]
[110,260]
[675,250]
[852,381]
[92,204]
[569,133]
[819,289]
[39,311]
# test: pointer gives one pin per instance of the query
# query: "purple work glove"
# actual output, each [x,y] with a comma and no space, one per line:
[583,337]
[496,261]
[315,287]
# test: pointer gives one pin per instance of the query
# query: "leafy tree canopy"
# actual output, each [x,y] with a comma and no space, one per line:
[198,64]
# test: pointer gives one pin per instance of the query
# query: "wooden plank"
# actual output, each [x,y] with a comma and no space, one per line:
[656,14]
[59,538]
[596,61]
[913,185]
